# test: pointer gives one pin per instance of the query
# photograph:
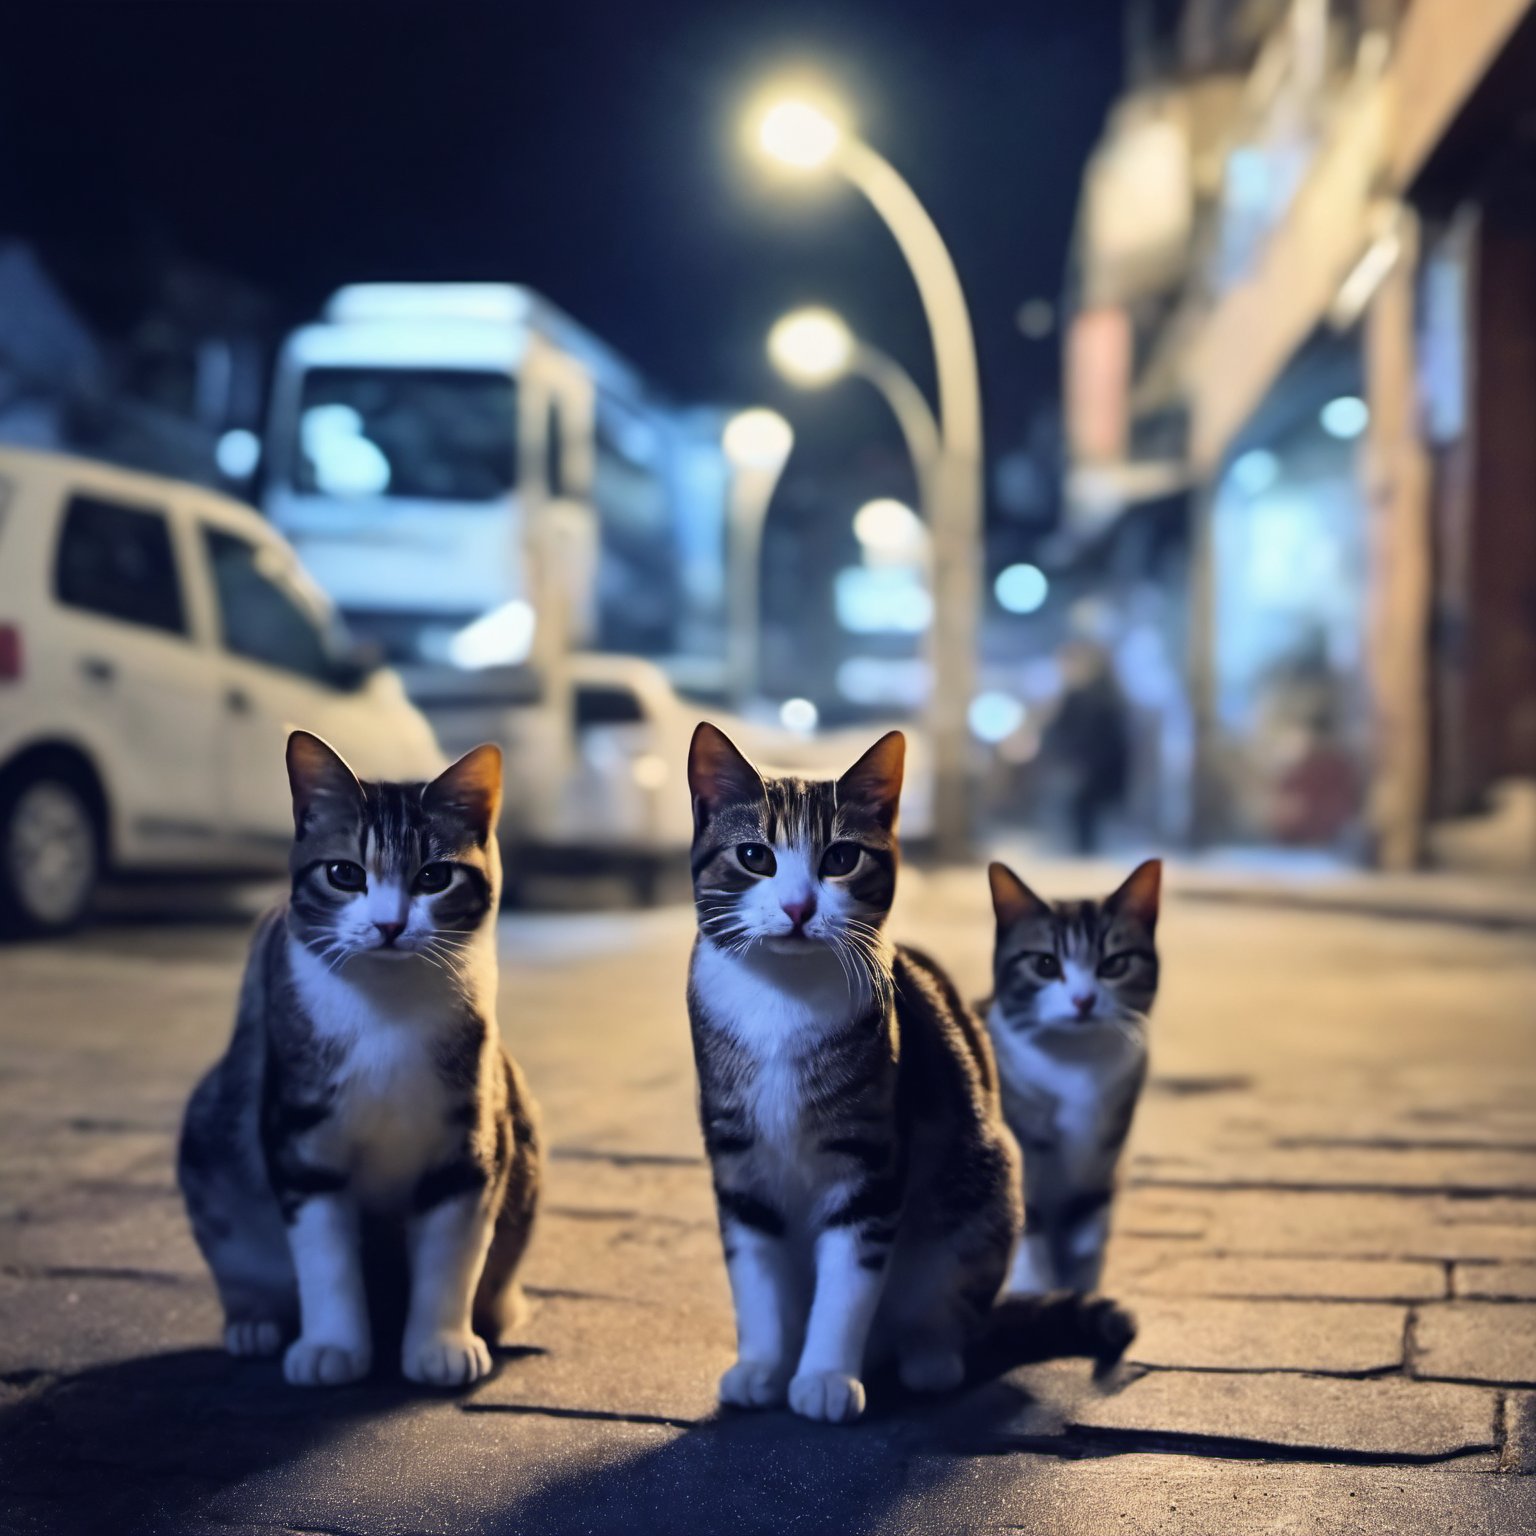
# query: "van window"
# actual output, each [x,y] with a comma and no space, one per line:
[434,434]
[606,705]
[264,616]
[117,561]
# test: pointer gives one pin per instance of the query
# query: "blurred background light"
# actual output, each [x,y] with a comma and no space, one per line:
[758,438]
[501,638]
[1021,588]
[237,453]
[797,134]
[1036,319]
[1255,471]
[892,681]
[882,600]
[994,716]
[799,715]
[650,770]
[811,346]
[889,527]
[1346,417]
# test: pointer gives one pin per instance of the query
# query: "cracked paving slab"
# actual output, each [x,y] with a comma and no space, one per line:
[1477,1341]
[1342,1338]
[1323,1416]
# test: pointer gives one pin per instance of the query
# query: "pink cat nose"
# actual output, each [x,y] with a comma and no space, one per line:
[1083,1002]
[799,911]
[391,931]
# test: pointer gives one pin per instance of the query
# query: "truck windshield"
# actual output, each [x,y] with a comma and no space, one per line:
[431,434]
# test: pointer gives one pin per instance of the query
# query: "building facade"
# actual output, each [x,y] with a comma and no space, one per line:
[1304,295]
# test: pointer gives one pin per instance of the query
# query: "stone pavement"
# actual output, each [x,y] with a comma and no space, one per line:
[1328,1232]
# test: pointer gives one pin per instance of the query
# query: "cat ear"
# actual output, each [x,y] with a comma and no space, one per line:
[319,778]
[1138,897]
[718,774]
[875,780]
[1011,898]
[469,788]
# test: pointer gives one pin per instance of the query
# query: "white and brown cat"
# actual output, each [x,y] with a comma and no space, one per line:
[1073,984]
[365,1125]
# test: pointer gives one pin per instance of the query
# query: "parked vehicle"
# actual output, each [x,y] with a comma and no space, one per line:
[157,643]
[494,496]
[450,459]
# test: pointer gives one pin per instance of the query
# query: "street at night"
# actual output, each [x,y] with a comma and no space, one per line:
[768,768]
[1327,1234]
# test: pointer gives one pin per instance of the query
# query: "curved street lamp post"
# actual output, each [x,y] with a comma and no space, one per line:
[801,136]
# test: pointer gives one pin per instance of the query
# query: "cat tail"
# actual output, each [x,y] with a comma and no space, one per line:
[1021,1330]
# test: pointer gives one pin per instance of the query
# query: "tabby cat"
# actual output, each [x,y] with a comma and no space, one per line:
[868,1190]
[365,1132]
[1074,982]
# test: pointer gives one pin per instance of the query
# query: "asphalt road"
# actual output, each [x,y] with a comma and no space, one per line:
[1329,1233]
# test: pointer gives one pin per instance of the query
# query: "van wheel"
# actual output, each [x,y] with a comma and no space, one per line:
[50,854]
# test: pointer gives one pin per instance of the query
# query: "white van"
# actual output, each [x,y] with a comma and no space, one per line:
[157,643]
[493,495]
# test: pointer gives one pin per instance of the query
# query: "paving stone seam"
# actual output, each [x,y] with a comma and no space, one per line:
[1236,1448]
[1374,1373]
[1398,1144]
[598,1415]
[1311,1187]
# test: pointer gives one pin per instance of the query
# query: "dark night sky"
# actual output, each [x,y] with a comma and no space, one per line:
[592,151]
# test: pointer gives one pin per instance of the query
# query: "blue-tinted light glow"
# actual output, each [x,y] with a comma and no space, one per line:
[994,716]
[1021,588]
[1345,418]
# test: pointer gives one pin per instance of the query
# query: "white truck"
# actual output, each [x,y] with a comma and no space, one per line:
[493,496]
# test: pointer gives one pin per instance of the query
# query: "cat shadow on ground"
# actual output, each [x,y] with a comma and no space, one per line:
[196,1441]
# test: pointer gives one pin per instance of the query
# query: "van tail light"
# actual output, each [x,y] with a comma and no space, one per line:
[10,653]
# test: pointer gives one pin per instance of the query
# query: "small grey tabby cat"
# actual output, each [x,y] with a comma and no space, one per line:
[1074,982]
[365,1102]
[868,1190]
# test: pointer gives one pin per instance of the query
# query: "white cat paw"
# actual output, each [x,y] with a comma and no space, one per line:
[446,1359]
[752,1384]
[310,1363]
[932,1370]
[253,1339]
[829,1396]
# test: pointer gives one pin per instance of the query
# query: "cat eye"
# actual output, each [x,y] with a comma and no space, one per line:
[346,876]
[1046,967]
[756,858]
[840,859]
[1113,967]
[431,878]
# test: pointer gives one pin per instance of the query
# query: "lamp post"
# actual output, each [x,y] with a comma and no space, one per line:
[757,445]
[814,347]
[803,137]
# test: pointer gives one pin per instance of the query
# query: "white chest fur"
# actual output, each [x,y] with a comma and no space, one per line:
[390,1121]
[775,1007]
[1074,1089]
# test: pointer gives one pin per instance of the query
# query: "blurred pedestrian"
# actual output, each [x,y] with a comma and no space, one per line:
[1088,741]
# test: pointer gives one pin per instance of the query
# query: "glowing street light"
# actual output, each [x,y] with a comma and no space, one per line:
[890,532]
[811,346]
[757,439]
[757,446]
[798,134]
[795,132]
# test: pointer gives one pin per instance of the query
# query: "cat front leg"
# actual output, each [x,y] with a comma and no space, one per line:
[1032,1271]
[850,1275]
[446,1245]
[762,1295]
[1082,1239]
[333,1346]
